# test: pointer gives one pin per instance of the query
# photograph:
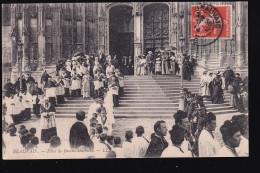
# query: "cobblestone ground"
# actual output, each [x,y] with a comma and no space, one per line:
[122,124]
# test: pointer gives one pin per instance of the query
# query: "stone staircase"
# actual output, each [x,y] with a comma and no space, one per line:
[71,106]
[147,97]
[143,97]
[171,87]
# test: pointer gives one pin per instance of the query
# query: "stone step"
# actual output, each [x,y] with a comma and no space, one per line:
[144,101]
[138,112]
[142,89]
[75,105]
[148,104]
[144,98]
[220,112]
[144,92]
[159,95]
[141,86]
[178,91]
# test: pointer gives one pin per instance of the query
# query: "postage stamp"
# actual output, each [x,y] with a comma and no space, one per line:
[211,22]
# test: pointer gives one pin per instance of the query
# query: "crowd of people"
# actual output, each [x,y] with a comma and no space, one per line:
[165,63]
[99,77]
[213,87]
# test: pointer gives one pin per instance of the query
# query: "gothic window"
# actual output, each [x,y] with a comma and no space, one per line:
[156,26]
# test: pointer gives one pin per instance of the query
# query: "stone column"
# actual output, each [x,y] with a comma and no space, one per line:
[13,34]
[173,25]
[137,32]
[41,38]
[57,33]
[240,38]
[101,24]
[25,39]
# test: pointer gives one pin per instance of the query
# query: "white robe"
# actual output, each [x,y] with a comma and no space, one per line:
[128,149]
[140,146]
[225,152]
[243,149]
[204,85]
[10,108]
[119,152]
[172,151]
[208,147]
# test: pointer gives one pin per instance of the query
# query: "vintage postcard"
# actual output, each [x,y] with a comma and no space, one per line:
[125,80]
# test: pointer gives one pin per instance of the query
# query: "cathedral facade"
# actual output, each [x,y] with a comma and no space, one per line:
[49,32]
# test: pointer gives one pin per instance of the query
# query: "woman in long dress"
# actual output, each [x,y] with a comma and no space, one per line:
[217,97]
[172,63]
[204,81]
[143,66]
[86,82]
[165,64]
[158,66]
[138,65]
[48,124]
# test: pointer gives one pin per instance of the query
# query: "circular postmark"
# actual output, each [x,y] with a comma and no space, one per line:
[207,23]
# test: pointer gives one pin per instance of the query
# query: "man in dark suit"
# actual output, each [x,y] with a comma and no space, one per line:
[79,133]
[158,143]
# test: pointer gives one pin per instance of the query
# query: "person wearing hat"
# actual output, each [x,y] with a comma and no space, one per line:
[217,96]
[186,69]
[143,65]
[236,93]
[229,76]
[149,59]
[158,65]
[210,84]
[48,124]
[138,65]
[204,85]
[208,143]
[172,62]
[231,137]
[165,63]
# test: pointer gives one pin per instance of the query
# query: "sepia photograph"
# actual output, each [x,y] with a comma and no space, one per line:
[117,80]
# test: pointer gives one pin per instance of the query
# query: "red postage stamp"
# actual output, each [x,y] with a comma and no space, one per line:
[208,21]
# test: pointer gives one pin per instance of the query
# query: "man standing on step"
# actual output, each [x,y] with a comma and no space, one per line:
[229,76]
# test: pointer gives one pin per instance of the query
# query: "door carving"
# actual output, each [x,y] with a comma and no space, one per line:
[156,26]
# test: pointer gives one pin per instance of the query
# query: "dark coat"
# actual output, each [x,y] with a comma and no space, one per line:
[156,146]
[79,136]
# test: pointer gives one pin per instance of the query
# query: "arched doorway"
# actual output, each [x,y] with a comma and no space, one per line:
[156,27]
[121,36]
